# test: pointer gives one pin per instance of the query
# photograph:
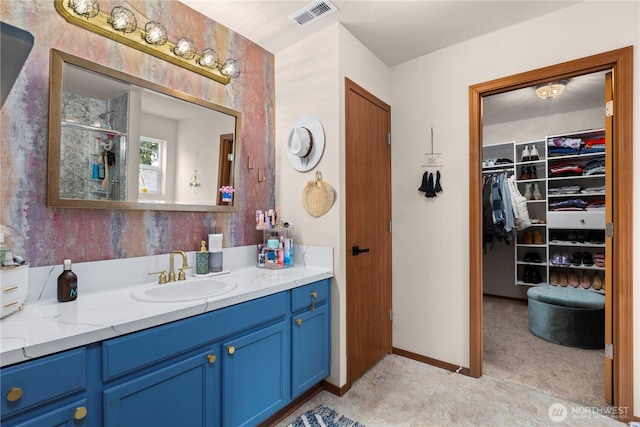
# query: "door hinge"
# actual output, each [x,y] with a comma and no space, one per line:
[389,226]
[390,315]
[389,138]
[608,109]
[608,350]
[608,229]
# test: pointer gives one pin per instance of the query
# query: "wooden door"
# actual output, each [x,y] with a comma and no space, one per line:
[608,252]
[368,233]
[225,164]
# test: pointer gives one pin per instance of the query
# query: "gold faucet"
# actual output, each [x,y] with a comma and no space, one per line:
[185,265]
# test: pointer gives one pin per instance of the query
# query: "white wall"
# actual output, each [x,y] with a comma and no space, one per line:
[157,127]
[310,80]
[430,239]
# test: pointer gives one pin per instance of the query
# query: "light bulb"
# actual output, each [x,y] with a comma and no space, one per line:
[231,68]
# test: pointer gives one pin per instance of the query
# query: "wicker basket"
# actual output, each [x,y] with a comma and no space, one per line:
[317,196]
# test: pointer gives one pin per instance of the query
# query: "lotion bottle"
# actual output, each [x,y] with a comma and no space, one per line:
[67,283]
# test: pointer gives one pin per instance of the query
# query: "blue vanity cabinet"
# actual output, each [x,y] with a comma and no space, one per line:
[310,335]
[178,394]
[49,391]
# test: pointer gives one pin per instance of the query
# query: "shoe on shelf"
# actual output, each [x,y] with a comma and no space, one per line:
[533,172]
[598,259]
[536,192]
[555,279]
[573,279]
[597,281]
[537,238]
[562,279]
[587,259]
[526,156]
[533,153]
[527,239]
[585,280]
[528,194]
[572,236]
[576,258]
[581,236]
[535,275]
[524,174]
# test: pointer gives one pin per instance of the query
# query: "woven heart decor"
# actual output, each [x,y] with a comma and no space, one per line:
[317,196]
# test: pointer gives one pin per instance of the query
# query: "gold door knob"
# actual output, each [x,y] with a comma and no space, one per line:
[211,358]
[14,394]
[231,349]
[298,321]
[80,413]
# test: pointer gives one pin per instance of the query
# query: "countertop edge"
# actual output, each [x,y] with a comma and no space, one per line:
[174,311]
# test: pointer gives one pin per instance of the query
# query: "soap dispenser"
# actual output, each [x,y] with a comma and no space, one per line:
[202,259]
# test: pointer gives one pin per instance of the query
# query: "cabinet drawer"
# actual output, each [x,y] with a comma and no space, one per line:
[581,219]
[15,287]
[141,349]
[39,381]
[303,297]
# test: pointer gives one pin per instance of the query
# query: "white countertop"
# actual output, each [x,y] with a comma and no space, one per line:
[46,326]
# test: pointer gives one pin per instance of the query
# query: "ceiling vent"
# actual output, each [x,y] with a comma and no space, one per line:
[313,12]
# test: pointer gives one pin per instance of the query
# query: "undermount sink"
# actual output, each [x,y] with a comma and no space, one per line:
[183,290]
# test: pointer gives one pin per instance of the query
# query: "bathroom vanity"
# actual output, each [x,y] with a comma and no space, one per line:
[232,360]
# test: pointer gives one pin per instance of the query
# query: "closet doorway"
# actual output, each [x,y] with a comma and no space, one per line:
[620,62]
[519,130]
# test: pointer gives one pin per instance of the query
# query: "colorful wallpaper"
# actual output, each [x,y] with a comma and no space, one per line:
[46,236]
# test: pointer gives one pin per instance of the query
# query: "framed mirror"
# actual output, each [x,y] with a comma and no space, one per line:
[120,142]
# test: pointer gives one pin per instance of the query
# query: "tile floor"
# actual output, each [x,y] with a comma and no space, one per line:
[402,392]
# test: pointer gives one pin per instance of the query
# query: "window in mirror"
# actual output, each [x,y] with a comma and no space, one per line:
[151,169]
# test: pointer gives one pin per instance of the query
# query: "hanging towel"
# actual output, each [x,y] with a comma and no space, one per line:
[438,186]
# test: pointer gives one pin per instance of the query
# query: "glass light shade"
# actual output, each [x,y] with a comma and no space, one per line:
[86,8]
[155,33]
[550,90]
[231,68]
[185,48]
[122,19]
[209,58]
[194,182]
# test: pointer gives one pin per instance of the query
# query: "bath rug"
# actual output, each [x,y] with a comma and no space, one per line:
[323,416]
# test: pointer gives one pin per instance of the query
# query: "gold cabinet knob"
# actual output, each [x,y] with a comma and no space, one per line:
[80,413]
[211,358]
[298,321]
[14,394]
[314,295]
[231,349]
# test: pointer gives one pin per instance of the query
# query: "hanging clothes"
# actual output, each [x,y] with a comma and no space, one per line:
[499,210]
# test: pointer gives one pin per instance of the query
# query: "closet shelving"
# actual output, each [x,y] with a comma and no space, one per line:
[546,221]
[580,223]
[531,175]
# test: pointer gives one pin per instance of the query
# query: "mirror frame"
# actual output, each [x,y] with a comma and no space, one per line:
[57,61]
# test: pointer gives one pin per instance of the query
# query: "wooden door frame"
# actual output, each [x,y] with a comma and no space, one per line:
[621,62]
[225,177]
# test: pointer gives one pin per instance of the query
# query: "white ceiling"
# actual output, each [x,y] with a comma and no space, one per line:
[399,31]
[395,31]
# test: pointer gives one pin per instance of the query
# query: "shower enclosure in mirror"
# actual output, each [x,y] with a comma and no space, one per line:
[116,141]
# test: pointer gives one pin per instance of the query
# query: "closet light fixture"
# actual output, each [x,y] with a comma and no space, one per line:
[121,25]
[551,89]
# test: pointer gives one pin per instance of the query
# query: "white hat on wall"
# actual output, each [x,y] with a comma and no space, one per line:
[306,143]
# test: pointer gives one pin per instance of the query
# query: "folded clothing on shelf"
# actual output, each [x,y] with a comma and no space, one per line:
[598,189]
[593,146]
[596,204]
[565,169]
[594,167]
[569,204]
[567,189]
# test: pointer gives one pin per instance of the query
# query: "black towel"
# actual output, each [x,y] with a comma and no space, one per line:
[423,186]
[438,186]
[431,192]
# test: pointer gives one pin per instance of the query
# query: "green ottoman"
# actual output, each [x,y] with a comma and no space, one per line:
[568,316]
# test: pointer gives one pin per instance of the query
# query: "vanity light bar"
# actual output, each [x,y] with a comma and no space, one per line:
[100,24]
